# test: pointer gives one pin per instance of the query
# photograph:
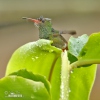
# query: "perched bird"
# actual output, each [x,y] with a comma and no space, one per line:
[47,32]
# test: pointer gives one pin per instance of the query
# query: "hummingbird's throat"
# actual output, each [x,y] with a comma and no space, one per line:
[44,32]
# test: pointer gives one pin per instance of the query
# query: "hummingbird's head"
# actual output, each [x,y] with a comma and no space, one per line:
[40,22]
[44,25]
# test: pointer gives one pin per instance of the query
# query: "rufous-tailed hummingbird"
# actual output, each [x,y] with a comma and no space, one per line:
[47,32]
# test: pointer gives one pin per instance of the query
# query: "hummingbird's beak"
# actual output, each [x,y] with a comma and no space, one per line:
[33,20]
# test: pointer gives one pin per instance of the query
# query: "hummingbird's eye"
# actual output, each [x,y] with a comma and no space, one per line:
[43,20]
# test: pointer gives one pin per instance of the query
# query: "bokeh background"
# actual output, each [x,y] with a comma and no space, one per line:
[80,15]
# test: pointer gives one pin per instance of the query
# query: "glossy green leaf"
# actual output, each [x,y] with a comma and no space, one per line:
[75,45]
[56,80]
[82,79]
[81,82]
[42,58]
[38,57]
[71,57]
[35,77]
[19,88]
[91,51]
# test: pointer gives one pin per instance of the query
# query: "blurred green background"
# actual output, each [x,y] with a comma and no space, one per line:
[80,15]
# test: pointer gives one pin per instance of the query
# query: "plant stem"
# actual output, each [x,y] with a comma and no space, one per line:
[84,62]
[65,71]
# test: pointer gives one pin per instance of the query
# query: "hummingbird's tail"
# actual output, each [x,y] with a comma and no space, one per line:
[71,32]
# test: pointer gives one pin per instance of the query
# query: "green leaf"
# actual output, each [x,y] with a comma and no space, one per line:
[71,57]
[35,77]
[81,82]
[75,45]
[42,58]
[82,79]
[56,80]
[19,88]
[38,57]
[90,53]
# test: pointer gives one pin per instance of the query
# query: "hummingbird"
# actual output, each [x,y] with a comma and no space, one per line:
[46,31]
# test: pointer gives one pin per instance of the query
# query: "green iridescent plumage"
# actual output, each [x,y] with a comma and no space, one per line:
[47,32]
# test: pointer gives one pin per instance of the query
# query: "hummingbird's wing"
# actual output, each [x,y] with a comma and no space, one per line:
[59,41]
[65,42]
[59,35]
